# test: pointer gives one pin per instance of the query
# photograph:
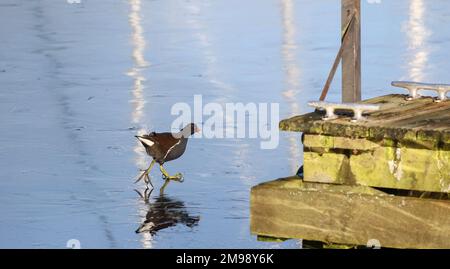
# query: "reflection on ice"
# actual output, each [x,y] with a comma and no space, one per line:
[138,101]
[166,212]
[292,73]
[417,37]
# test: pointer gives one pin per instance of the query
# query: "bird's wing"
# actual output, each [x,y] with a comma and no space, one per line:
[165,141]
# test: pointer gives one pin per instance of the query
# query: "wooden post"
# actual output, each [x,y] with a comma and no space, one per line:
[351,56]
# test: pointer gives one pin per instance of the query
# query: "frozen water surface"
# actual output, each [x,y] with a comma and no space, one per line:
[78,81]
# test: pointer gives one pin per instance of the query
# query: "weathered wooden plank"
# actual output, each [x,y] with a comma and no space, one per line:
[420,118]
[395,106]
[332,142]
[430,120]
[326,167]
[384,163]
[402,168]
[406,121]
[291,208]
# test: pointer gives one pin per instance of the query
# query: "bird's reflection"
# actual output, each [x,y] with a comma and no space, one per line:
[164,212]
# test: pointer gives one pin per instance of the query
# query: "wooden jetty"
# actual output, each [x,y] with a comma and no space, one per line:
[386,178]
[404,145]
[382,179]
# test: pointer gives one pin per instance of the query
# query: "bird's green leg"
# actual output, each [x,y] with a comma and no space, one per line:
[161,191]
[176,177]
[145,175]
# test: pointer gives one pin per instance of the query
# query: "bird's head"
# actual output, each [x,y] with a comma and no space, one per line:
[189,130]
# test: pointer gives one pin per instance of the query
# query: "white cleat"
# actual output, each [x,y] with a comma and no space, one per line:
[357,109]
[415,87]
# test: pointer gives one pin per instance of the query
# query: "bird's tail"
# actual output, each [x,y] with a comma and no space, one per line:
[145,140]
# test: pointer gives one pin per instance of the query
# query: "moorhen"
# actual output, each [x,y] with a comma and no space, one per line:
[164,147]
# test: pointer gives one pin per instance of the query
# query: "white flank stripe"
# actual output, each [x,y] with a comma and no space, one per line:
[171,148]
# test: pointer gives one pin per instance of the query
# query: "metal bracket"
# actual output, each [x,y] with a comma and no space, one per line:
[415,87]
[357,109]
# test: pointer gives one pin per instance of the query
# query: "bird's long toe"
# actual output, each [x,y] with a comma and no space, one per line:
[148,181]
[179,177]
[140,177]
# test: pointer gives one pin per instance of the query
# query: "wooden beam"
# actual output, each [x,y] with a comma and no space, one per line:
[291,208]
[384,163]
[351,55]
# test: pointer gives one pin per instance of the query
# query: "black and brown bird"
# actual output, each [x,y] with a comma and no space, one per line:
[164,147]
